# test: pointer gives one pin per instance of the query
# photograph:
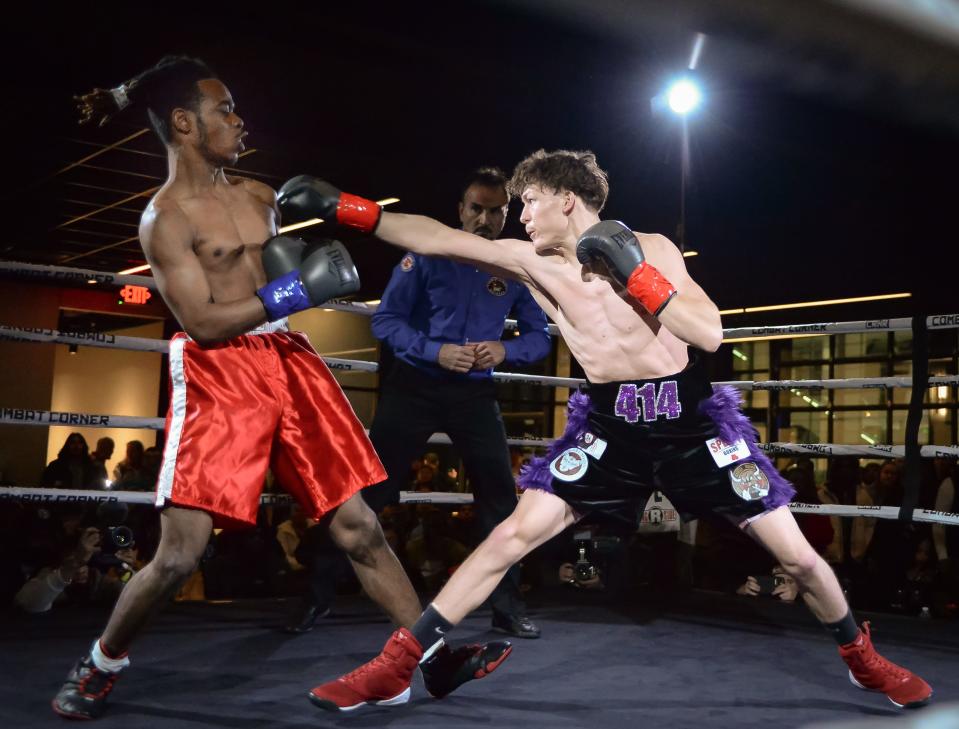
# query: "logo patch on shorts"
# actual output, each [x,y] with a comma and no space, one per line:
[592,445]
[725,453]
[407,263]
[748,481]
[570,465]
[496,286]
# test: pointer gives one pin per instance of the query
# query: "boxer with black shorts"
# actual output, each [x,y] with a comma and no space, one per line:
[634,319]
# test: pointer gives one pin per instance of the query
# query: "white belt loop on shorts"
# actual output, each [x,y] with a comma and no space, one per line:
[280,325]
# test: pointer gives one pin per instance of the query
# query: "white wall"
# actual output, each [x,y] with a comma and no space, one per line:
[107,382]
[347,336]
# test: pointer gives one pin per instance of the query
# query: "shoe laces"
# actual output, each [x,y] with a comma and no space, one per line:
[377,663]
[108,680]
[873,661]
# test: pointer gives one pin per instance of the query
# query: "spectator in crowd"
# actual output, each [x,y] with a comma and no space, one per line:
[289,533]
[946,538]
[130,469]
[144,477]
[72,468]
[425,479]
[101,454]
[777,584]
[817,528]
[79,570]
[839,488]
[893,546]
[920,578]
[434,554]
[863,527]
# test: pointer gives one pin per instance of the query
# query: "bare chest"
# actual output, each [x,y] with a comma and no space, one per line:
[611,337]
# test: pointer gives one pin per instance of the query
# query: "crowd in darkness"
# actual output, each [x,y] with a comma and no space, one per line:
[81,553]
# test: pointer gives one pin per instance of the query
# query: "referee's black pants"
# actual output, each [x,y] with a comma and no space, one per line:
[414,405]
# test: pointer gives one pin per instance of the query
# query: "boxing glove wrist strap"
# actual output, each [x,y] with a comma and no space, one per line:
[357,212]
[650,288]
[284,296]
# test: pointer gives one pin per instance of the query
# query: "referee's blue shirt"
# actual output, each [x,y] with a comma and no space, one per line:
[433,301]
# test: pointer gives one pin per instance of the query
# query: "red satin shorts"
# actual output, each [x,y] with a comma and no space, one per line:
[257,401]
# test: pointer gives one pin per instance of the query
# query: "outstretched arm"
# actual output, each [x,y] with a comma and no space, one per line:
[308,198]
[429,237]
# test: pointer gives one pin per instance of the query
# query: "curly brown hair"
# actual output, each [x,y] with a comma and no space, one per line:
[563,169]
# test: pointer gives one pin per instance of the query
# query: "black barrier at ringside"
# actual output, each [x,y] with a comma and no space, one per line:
[912,474]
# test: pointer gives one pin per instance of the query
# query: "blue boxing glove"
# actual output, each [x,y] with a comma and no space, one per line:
[303,276]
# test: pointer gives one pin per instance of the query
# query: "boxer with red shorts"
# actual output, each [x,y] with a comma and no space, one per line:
[245,393]
[273,402]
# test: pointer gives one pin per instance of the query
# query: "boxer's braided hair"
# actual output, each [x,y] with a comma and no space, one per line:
[170,84]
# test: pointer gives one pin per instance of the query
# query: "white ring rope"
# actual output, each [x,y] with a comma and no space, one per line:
[17,416]
[47,496]
[141,344]
[826,450]
[69,275]
[62,274]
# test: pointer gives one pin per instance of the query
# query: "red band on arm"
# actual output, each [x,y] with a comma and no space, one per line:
[650,288]
[358,212]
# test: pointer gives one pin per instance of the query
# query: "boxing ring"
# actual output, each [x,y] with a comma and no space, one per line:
[693,659]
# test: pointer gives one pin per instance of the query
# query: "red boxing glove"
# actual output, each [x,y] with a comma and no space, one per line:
[305,197]
[650,288]
[357,212]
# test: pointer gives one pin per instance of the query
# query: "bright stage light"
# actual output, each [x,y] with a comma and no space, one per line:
[683,96]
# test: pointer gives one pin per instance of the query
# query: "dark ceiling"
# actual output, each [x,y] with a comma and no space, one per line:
[822,164]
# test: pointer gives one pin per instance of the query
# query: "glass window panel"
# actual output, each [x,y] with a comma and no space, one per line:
[760,426]
[811,427]
[868,344]
[940,426]
[862,427]
[755,398]
[942,342]
[805,348]
[899,427]
[750,356]
[942,393]
[902,395]
[902,342]
[802,397]
[865,398]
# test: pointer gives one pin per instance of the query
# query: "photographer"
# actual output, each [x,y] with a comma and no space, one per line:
[87,572]
[599,562]
[778,585]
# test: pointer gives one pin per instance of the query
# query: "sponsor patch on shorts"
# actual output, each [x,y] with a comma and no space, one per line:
[592,444]
[407,263]
[748,481]
[570,465]
[725,453]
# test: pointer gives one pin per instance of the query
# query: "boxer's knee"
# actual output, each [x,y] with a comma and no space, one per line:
[801,564]
[172,567]
[508,542]
[356,530]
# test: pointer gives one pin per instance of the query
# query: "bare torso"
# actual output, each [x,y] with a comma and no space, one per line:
[230,223]
[611,337]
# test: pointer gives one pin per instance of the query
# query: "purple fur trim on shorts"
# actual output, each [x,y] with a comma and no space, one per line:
[723,408]
[536,474]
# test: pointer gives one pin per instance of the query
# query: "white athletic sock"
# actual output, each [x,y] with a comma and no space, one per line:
[102,661]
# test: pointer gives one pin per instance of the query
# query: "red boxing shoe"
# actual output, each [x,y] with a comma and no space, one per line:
[384,681]
[870,671]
